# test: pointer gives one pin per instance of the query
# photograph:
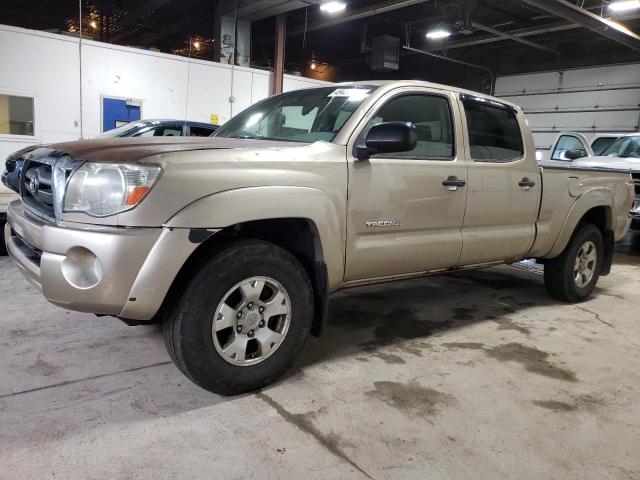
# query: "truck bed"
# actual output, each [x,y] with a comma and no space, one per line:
[562,186]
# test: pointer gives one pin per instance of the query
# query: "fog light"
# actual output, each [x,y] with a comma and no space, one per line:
[81,268]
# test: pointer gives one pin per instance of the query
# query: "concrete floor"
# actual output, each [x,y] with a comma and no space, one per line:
[476,375]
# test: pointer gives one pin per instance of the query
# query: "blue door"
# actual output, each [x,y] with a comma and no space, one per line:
[116,112]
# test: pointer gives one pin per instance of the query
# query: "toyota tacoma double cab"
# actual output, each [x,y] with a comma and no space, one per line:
[235,242]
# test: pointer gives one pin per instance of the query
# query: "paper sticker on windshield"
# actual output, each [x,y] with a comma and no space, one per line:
[353,94]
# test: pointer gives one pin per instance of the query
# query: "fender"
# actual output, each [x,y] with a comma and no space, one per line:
[595,197]
[225,209]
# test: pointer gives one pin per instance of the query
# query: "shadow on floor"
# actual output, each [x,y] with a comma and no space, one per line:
[407,314]
[627,249]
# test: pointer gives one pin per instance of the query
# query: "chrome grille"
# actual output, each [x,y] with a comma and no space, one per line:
[636,182]
[36,188]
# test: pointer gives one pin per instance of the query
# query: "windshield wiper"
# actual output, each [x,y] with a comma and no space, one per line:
[257,137]
[254,137]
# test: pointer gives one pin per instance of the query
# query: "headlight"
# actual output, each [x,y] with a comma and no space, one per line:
[102,189]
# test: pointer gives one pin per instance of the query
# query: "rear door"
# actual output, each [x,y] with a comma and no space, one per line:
[503,193]
[401,217]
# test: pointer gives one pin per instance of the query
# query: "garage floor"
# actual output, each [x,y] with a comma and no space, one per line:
[474,375]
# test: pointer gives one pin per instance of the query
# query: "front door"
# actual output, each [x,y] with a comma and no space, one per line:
[503,197]
[402,218]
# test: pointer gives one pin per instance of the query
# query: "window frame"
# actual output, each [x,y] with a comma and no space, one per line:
[360,138]
[557,142]
[18,137]
[465,97]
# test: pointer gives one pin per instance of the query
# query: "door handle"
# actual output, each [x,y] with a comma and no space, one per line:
[453,183]
[526,184]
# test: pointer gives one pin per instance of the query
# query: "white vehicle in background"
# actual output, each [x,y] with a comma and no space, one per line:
[567,141]
[623,153]
[602,141]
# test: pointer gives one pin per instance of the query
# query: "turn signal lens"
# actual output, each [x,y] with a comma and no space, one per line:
[135,194]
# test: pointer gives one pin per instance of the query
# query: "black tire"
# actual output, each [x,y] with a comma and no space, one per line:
[3,246]
[188,329]
[559,278]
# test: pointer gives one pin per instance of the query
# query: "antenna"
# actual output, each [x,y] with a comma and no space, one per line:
[186,101]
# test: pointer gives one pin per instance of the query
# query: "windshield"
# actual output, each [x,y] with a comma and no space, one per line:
[624,147]
[300,116]
[122,130]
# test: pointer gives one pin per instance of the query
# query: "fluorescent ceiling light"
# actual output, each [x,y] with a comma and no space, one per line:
[333,7]
[438,33]
[624,5]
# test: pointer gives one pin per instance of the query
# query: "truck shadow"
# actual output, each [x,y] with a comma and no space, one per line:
[627,250]
[405,316]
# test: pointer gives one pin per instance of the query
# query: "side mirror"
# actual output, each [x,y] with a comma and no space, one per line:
[574,154]
[388,137]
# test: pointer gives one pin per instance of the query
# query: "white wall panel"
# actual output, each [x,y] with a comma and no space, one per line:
[107,71]
[46,66]
[292,82]
[603,99]
[589,100]
[512,85]
[261,87]
[33,65]
[242,92]
[613,75]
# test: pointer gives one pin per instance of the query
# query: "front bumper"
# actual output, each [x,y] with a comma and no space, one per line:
[104,270]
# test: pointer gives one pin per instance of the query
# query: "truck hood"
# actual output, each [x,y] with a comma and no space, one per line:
[614,163]
[130,150]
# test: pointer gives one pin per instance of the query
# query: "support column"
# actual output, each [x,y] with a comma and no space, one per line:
[281,36]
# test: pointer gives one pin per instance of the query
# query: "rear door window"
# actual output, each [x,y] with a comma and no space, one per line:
[494,133]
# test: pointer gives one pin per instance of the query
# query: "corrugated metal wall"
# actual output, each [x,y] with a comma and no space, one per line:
[589,101]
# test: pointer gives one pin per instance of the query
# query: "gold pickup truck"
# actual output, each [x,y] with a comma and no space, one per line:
[235,242]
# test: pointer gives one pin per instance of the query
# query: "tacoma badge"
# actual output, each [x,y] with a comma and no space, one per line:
[384,223]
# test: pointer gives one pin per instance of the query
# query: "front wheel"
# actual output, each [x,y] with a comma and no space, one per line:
[572,276]
[242,319]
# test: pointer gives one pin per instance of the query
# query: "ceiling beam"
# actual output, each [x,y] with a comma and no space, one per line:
[520,33]
[377,9]
[252,10]
[514,38]
[448,59]
[607,28]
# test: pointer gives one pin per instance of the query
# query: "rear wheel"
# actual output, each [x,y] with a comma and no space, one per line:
[572,276]
[242,319]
